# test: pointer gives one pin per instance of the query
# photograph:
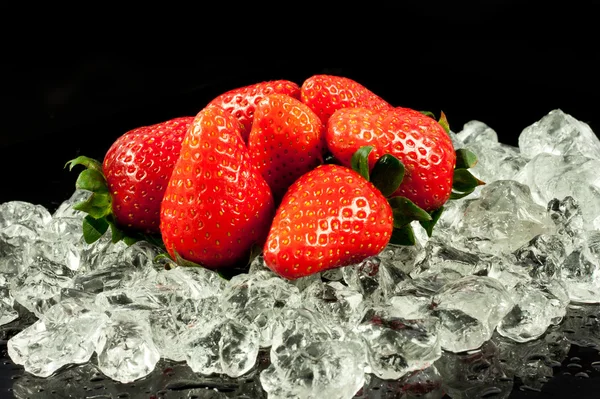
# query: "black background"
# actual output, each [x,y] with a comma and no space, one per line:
[74,80]
[84,79]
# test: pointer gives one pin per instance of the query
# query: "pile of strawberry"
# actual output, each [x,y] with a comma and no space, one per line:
[314,177]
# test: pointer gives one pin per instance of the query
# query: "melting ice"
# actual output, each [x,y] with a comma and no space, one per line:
[501,268]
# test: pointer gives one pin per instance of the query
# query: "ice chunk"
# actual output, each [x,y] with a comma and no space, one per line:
[335,301]
[375,278]
[439,255]
[470,309]
[41,281]
[7,310]
[542,257]
[567,217]
[221,345]
[312,358]
[559,133]
[503,218]
[257,299]
[551,176]
[397,345]
[495,161]
[67,335]
[581,271]
[125,348]
[537,307]
[33,217]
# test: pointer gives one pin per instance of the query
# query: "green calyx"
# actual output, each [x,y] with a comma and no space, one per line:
[464,183]
[386,176]
[443,121]
[98,206]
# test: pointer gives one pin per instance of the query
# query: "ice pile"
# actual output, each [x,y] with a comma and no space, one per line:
[506,260]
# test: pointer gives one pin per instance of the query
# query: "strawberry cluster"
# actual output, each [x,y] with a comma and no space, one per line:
[314,177]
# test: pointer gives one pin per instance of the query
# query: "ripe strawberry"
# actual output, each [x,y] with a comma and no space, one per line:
[330,217]
[287,140]
[417,140]
[128,187]
[325,94]
[216,205]
[241,102]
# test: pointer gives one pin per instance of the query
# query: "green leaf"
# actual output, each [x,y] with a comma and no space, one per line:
[465,159]
[387,174]
[435,216]
[403,236]
[464,181]
[454,195]
[91,180]
[89,163]
[405,211]
[360,161]
[93,229]
[428,113]
[444,122]
[97,205]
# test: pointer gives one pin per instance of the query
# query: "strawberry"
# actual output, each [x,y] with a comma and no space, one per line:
[325,94]
[420,142]
[216,205]
[241,102]
[128,187]
[287,140]
[330,217]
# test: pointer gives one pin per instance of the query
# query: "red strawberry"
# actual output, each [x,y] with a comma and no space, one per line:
[417,140]
[129,185]
[242,101]
[287,140]
[216,205]
[330,217]
[325,94]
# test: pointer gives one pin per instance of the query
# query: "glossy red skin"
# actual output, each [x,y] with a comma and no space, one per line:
[330,217]
[287,140]
[241,102]
[419,141]
[325,94]
[216,205]
[137,168]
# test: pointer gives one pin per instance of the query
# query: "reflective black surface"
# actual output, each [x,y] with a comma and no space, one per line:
[563,363]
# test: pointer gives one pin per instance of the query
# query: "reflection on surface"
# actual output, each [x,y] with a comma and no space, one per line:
[497,369]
